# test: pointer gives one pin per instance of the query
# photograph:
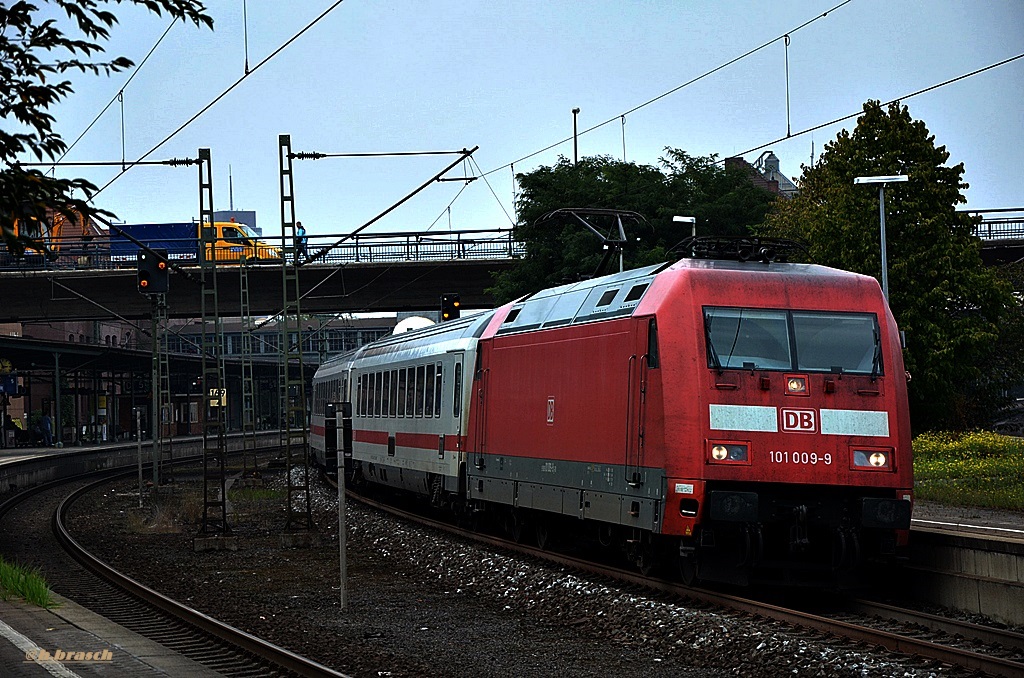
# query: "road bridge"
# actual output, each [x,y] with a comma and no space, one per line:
[377,272]
[367,272]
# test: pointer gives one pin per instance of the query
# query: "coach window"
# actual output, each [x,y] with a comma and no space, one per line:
[379,379]
[410,396]
[360,396]
[457,391]
[372,407]
[438,379]
[428,392]
[420,384]
[401,392]
[385,395]
[652,344]
[393,411]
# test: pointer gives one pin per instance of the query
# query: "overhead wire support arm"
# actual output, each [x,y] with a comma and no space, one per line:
[465,179]
[171,162]
[316,155]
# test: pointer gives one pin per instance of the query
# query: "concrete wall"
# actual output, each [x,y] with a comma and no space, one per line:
[55,464]
[969,574]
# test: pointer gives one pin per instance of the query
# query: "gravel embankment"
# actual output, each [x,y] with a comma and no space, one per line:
[420,604]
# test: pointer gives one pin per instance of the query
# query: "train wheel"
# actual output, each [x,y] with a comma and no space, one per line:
[688,570]
[645,554]
[648,561]
[515,525]
[605,534]
[543,533]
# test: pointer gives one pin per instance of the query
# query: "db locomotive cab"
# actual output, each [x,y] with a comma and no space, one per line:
[806,449]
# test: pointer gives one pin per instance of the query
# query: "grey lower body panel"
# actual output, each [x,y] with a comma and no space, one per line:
[600,492]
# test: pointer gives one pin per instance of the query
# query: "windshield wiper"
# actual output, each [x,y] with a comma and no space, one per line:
[711,347]
[876,361]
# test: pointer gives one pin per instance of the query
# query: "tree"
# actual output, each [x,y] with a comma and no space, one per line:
[35,52]
[723,201]
[953,309]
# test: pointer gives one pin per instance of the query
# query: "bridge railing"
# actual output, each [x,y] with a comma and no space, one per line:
[384,247]
[1008,228]
[94,252]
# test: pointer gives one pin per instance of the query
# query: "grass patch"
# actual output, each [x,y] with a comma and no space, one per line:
[25,583]
[255,494]
[979,468]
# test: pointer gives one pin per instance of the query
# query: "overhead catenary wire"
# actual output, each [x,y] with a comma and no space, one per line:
[224,93]
[117,96]
[675,89]
[911,95]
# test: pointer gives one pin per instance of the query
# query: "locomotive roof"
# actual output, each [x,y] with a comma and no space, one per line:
[609,296]
[807,270]
[620,294]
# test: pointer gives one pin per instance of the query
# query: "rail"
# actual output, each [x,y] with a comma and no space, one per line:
[95,253]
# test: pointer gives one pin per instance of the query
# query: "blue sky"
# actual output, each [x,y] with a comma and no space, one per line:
[400,75]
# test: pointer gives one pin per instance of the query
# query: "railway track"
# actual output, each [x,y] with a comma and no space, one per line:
[973,647]
[38,517]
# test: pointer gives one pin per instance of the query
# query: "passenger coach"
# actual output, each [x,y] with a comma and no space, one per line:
[744,420]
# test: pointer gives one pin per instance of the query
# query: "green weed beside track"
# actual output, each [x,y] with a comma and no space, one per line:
[979,468]
[26,583]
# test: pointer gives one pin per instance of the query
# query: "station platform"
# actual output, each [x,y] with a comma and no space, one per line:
[69,641]
[979,523]
[11,455]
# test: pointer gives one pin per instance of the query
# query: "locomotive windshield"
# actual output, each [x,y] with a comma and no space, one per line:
[806,341]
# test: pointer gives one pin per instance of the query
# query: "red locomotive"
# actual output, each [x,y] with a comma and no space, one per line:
[747,420]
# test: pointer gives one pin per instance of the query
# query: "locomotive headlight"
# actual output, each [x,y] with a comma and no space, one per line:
[729,453]
[796,384]
[872,459]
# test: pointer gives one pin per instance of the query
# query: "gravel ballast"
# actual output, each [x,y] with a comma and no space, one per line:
[423,604]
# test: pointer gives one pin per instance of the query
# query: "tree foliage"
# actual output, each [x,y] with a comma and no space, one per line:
[723,202]
[36,53]
[955,312]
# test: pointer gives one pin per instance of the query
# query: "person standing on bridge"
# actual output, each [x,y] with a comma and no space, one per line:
[300,241]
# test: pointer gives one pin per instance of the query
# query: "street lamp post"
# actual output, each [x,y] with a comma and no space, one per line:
[882,181]
[575,147]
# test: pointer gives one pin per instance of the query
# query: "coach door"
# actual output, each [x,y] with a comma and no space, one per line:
[450,440]
[641,361]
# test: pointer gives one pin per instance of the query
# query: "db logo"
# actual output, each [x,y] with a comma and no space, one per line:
[800,421]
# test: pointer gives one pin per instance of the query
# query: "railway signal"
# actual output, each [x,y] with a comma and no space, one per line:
[450,306]
[153,276]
